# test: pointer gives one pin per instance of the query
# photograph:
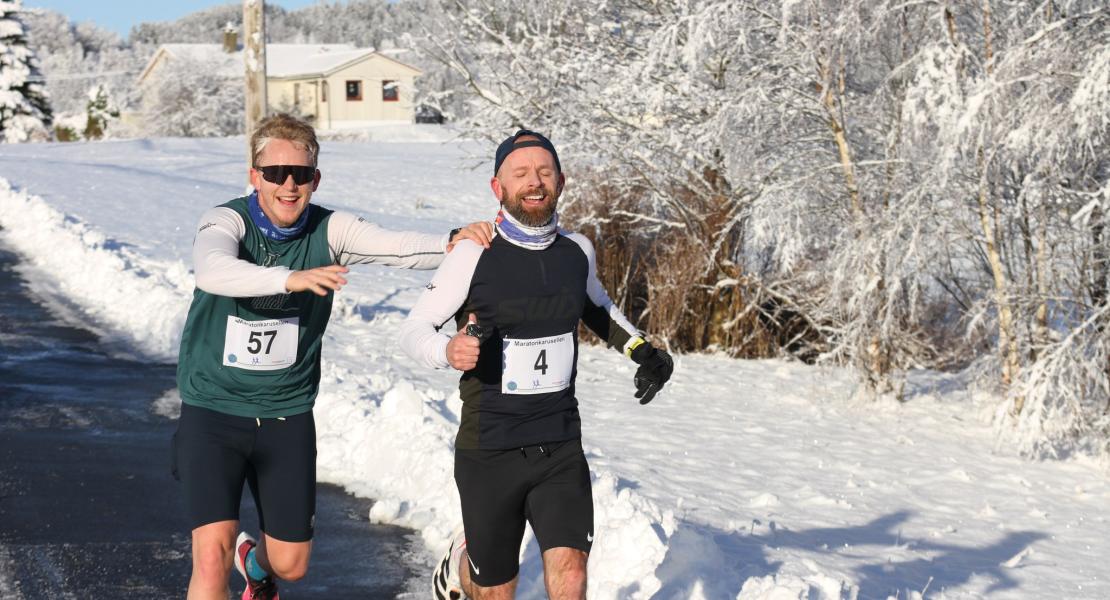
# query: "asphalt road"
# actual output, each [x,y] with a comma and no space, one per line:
[88,508]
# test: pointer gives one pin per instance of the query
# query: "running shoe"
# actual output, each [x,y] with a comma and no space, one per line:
[445,579]
[255,590]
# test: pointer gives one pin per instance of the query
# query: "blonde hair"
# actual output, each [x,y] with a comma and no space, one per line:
[283,126]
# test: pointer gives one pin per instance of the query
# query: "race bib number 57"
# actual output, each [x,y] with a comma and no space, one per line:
[260,345]
[537,365]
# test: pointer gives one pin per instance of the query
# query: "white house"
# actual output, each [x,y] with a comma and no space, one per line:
[335,86]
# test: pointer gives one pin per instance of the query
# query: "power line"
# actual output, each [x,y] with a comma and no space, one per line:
[68,76]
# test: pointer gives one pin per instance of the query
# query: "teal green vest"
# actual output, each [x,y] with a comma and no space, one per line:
[202,377]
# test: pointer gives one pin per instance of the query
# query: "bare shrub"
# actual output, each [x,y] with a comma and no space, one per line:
[658,276]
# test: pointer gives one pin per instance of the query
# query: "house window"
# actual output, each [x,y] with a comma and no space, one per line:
[389,91]
[296,94]
[323,91]
[354,90]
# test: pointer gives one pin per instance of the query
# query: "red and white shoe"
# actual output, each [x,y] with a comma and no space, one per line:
[445,579]
[255,590]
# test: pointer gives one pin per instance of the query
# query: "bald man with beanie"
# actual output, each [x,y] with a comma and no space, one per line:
[516,307]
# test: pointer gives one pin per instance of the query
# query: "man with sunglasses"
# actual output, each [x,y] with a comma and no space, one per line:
[517,307]
[267,266]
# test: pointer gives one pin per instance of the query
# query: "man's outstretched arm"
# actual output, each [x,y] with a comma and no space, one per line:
[354,240]
[216,263]
[219,270]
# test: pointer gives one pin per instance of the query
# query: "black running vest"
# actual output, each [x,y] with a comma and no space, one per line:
[520,295]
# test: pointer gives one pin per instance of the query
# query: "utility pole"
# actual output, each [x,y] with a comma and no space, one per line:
[254,55]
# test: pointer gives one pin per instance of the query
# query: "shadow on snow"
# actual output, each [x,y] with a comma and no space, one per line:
[721,561]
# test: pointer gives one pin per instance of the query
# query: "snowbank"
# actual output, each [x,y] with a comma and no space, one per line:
[141,300]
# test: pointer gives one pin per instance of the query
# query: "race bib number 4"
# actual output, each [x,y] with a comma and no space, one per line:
[260,345]
[537,365]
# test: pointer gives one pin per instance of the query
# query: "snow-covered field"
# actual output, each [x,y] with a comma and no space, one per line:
[744,479]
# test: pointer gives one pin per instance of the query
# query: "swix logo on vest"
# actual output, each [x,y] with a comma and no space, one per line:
[277,301]
[271,258]
[561,306]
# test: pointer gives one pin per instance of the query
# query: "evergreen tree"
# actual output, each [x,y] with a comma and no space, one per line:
[25,114]
[99,112]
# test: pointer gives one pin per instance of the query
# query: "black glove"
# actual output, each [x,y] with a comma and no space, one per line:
[655,370]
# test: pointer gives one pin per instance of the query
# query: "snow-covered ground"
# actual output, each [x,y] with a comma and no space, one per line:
[744,479]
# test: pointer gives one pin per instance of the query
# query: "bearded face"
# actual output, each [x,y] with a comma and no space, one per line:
[533,207]
[528,185]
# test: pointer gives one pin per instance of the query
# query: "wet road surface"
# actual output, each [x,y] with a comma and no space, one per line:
[88,508]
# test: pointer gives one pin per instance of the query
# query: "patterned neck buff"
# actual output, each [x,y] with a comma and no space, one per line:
[533,238]
[278,234]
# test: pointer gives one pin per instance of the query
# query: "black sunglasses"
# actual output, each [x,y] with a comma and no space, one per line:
[277,174]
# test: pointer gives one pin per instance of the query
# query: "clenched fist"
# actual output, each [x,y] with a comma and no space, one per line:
[462,350]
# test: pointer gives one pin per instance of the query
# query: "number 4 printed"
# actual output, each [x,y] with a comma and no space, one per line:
[541,362]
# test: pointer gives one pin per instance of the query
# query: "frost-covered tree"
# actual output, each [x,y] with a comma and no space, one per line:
[204,26]
[842,215]
[886,185]
[25,113]
[188,99]
[100,112]
[1016,107]
[364,23]
[75,57]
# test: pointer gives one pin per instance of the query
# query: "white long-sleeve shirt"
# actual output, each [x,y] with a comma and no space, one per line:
[351,239]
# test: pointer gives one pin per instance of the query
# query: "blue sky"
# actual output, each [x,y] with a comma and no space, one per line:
[120,15]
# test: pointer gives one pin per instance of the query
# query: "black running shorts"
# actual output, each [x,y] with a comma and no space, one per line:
[214,453]
[548,485]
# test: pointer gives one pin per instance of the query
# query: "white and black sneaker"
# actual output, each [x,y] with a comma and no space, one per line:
[446,584]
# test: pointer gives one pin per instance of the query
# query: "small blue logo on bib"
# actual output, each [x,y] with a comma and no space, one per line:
[231,358]
[511,385]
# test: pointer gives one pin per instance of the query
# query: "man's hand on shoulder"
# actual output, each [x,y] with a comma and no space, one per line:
[462,350]
[318,280]
[480,232]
